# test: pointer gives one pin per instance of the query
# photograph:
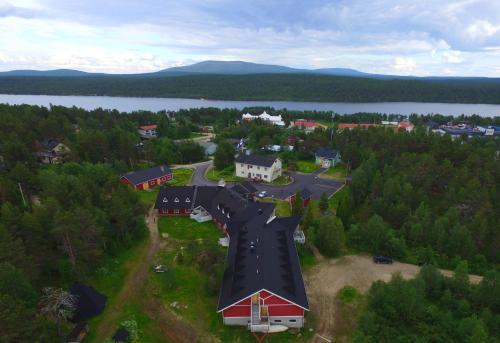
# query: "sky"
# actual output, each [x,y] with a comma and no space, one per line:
[423,37]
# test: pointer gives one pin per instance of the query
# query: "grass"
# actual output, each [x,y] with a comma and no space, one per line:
[336,173]
[333,202]
[182,176]
[282,180]
[348,295]
[227,174]
[283,208]
[306,166]
[185,228]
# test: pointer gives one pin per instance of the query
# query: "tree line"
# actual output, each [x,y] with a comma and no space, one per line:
[291,87]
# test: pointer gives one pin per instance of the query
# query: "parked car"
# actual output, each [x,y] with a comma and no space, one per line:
[262,194]
[382,259]
[160,268]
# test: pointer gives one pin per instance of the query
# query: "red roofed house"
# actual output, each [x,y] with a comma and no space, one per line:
[405,125]
[148,178]
[351,126]
[306,125]
[147,131]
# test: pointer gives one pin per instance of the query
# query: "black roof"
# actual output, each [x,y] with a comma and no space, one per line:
[327,153]
[140,176]
[257,160]
[121,335]
[89,302]
[178,197]
[249,186]
[50,143]
[262,255]
[305,193]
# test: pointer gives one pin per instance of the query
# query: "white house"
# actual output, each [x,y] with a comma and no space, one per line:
[327,158]
[147,131]
[275,120]
[262,167]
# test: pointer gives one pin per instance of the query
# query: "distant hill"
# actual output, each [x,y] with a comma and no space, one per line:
[55,72]
[233,68]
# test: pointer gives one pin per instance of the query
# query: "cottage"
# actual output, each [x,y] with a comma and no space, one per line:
[405,125]
[306,125]
[327,158]
[305,194]
[261,167]
[147,131]
[262,287]
[148,178]
[52,151]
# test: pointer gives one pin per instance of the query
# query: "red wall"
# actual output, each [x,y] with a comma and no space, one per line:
[171,212]
[152,183]
[276,307]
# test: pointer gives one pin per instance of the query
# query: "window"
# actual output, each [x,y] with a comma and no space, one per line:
[265,176]
[277,320]
[258,167]
[188,200]
[241,164]
[165,199]
[293,320]
[176,199]
[265,168]
[176,211]
[163,178]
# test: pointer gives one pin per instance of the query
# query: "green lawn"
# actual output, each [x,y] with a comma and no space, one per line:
[226,174]
[336,173]
[282,180]
[185,228]
[182,176]
[306,166]
[283,208]
[333,202]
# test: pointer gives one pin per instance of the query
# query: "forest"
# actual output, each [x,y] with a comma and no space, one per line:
[279,87]
[415,196]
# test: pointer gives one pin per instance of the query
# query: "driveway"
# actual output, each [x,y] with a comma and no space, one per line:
[316,185]
[312,182]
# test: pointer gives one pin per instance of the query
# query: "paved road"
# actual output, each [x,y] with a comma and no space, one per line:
[310,181]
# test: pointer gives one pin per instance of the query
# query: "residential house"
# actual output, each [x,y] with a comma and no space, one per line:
[306,125]
[351,126]
[262,287]
[264,116]
[305,194]
[89,302]
[262,167]
[148,178]
[148,131]
[327,158]
[405,125]
[52,151]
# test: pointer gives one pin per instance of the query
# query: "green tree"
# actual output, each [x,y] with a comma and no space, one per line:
[224,155]
[323,202]
[297,204]
[329,236]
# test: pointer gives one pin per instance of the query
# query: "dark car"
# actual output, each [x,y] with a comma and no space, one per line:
[382,259]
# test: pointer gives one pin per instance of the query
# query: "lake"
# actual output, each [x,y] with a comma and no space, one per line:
[130,104]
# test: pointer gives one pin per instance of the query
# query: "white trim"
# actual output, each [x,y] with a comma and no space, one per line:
[263,289]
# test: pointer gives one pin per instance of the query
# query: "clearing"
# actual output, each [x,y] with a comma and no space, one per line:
[324,280]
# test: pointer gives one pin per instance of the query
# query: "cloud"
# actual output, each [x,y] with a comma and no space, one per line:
[390,36]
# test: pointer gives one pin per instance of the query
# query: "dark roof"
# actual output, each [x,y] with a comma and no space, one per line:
[89,302]
[50,143]
[305,193]
[326,153]
[75,332]
[121,335]
[262,255]
[257,160]
[140,176]
[227,201]
[177,198]
[249,186]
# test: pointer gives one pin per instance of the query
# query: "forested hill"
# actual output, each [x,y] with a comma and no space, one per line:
[296,87]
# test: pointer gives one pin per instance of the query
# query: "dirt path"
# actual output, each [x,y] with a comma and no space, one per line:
[133,283]
[330,275]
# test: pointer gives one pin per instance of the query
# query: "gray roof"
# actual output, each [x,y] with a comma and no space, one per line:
[327,153]
[140,176]
[257,160]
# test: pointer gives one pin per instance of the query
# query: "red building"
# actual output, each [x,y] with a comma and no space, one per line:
[304,193]
[147,178]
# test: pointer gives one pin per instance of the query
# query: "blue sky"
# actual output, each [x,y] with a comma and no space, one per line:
[425,37]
